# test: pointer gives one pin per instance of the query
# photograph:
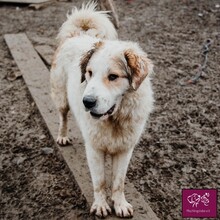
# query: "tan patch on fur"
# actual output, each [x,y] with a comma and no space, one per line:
[98,44]
[85,24]
[121,65]
[101,186]
[54,64]
[106,82]
[117,125]
[117,128]
[86,57]
[138,66]
[115,83]
[118,68]
[74,34]
[63,125]
[120,186]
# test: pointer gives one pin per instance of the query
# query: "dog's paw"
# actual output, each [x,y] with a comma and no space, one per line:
[123,209]
[63,141]
[101,208]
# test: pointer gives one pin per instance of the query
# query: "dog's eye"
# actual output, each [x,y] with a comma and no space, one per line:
[90,73]
[112,77]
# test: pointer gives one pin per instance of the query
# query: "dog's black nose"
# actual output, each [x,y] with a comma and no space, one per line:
[89,102]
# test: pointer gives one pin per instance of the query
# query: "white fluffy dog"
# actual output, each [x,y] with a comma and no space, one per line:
[106,84]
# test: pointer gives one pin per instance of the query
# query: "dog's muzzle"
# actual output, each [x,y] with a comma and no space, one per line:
[90,102]
[108,113]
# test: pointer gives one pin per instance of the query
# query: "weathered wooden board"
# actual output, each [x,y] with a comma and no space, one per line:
[36,76]
[46,52]
[25,1]
[108,5]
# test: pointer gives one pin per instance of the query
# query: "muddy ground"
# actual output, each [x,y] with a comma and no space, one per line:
[181,145]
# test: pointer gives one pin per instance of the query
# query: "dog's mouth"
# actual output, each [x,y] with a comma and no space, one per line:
[108,113]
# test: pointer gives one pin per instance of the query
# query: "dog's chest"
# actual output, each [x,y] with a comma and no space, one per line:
[113,136]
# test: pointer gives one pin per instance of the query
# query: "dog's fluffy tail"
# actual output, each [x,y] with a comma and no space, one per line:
[87,21]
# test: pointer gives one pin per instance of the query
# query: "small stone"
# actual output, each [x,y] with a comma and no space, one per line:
[42,137]
[47,150]
[18,160]
[142,182]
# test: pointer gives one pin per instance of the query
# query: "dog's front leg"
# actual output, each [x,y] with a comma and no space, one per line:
[120,165]
[96,161]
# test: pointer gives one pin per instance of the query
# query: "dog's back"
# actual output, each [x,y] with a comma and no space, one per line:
[87,21]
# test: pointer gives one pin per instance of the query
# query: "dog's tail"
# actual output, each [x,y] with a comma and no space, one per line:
[87,21]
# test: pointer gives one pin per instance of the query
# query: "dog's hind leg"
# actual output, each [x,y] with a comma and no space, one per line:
[59,96]
[60,100]
[62,138]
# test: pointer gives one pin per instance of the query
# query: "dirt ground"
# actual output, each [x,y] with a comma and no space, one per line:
[181,145]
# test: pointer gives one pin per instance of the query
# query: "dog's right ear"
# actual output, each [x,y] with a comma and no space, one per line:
[86,58]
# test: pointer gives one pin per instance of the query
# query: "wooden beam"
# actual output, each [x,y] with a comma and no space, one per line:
[36,76]
[108,5]
[46,52]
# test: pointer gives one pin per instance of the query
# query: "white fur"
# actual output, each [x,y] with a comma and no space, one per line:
[116,133]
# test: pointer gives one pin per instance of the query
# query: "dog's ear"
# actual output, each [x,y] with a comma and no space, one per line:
[139,67]
[86,57]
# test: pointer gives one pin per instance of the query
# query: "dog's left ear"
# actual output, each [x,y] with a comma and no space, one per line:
[140,66]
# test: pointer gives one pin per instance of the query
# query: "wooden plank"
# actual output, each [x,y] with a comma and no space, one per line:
[46,52]
[108,5]
[25,1]
[36,76]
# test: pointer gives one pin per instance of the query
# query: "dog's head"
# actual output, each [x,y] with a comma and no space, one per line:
[111,69]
